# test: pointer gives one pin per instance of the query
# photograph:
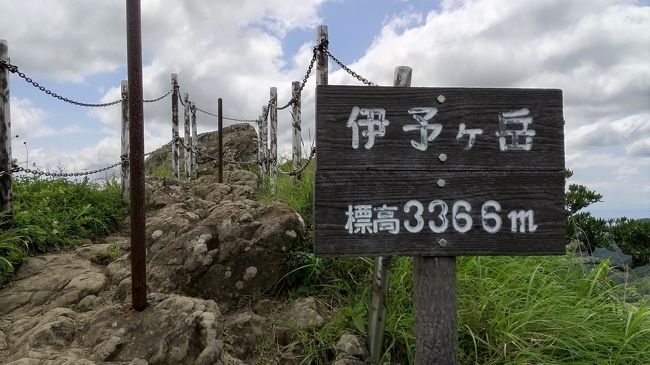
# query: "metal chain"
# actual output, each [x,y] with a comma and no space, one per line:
[319,47]
[241,120]
[206,112]
[14,69]
[14,169]
[348,70]
[158,98]
[301,168]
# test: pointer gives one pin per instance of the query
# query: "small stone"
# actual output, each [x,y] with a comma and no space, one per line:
[193,215]
[250,273]
[239,285]
[349,345]
[245,217]
[156,234]
[291,233]
[87,303]
[227,274]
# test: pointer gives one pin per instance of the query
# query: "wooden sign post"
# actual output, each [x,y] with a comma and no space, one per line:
[438,173]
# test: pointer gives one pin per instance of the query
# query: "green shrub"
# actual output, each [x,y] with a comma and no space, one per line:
[633,237]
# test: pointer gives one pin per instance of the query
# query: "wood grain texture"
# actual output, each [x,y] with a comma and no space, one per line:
[475,107]
[187,152]
[125,139]
[435,310]
[543,192]
[176,144]
[321,57]
[296,117]
[6,203]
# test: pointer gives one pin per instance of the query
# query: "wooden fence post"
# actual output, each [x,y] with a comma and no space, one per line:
[273,160]
[176,171]
[187,156]
[125,140]
[381,272]
[260,158]
[436,340]
[6,203]
[321,57]
[265,141]
[195,147]
[295,114]
[220,121]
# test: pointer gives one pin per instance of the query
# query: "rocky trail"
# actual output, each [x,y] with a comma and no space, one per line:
[214,255]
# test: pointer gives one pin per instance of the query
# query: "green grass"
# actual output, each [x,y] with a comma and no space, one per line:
[511,310]
[297,192]
[53,214]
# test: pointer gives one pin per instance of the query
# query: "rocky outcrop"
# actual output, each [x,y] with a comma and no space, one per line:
[239,145]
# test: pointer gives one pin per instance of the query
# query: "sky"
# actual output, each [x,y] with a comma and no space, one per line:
[596,51]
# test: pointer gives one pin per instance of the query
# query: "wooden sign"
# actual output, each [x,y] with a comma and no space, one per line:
[439,171]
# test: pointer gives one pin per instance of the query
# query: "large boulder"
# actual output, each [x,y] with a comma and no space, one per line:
[240,248]
[211,240]
[239,145]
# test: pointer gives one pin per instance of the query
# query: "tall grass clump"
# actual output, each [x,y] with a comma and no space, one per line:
[295,191]
[511,310]
[52,214]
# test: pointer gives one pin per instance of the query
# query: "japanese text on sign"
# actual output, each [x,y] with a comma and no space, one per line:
[513,130]
[366,219]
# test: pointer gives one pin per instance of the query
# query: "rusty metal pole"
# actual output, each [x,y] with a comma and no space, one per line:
[136,137]
[220,113]
[6,203]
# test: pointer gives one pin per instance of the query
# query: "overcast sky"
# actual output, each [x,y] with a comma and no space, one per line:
[596,51]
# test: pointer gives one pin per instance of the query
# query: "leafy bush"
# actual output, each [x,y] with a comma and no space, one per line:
[633,237]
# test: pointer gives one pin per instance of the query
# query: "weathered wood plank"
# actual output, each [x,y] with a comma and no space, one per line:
[539,192]
[475,108]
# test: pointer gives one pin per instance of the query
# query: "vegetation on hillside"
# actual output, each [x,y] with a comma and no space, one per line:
[54,214]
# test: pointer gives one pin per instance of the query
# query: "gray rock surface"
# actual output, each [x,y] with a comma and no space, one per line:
[615,256]
[240,151]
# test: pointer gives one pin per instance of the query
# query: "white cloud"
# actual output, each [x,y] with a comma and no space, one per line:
[596,51]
